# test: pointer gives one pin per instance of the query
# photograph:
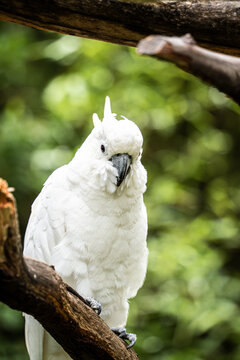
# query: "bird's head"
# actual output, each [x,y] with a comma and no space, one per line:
[111,155]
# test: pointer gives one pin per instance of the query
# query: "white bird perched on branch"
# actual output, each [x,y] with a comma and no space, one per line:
[90,222]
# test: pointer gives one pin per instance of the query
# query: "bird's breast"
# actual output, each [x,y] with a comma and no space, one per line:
[108,242]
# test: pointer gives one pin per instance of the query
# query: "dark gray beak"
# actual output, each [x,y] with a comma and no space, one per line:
[122,163]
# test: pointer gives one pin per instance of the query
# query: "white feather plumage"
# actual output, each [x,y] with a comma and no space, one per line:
[92,231]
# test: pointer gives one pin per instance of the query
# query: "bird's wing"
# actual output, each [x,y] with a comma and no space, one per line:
[46,225]
[45,229]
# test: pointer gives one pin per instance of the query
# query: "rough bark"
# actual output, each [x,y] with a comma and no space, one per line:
[215,24]
[35,288]
[221,71]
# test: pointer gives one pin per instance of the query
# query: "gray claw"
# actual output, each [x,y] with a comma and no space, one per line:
[94,305]
[121,332]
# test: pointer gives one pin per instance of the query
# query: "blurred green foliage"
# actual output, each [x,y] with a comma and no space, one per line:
[188,308]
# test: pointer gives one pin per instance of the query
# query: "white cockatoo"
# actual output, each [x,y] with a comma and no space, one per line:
[90,222]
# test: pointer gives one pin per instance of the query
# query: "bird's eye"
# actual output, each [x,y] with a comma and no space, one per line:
[102,148]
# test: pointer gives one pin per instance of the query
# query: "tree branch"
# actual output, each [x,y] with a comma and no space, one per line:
[215,24]
[35,288]
[221,71]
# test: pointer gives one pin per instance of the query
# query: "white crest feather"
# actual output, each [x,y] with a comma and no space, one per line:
[107,109]
[96,120]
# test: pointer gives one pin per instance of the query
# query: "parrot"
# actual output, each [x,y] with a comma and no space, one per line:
[90,222]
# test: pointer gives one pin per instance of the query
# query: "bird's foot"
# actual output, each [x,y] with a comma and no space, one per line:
[121,332]
[94,305]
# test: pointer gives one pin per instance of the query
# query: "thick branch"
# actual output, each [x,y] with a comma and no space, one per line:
[35,288]
[215,24]
[221,71]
